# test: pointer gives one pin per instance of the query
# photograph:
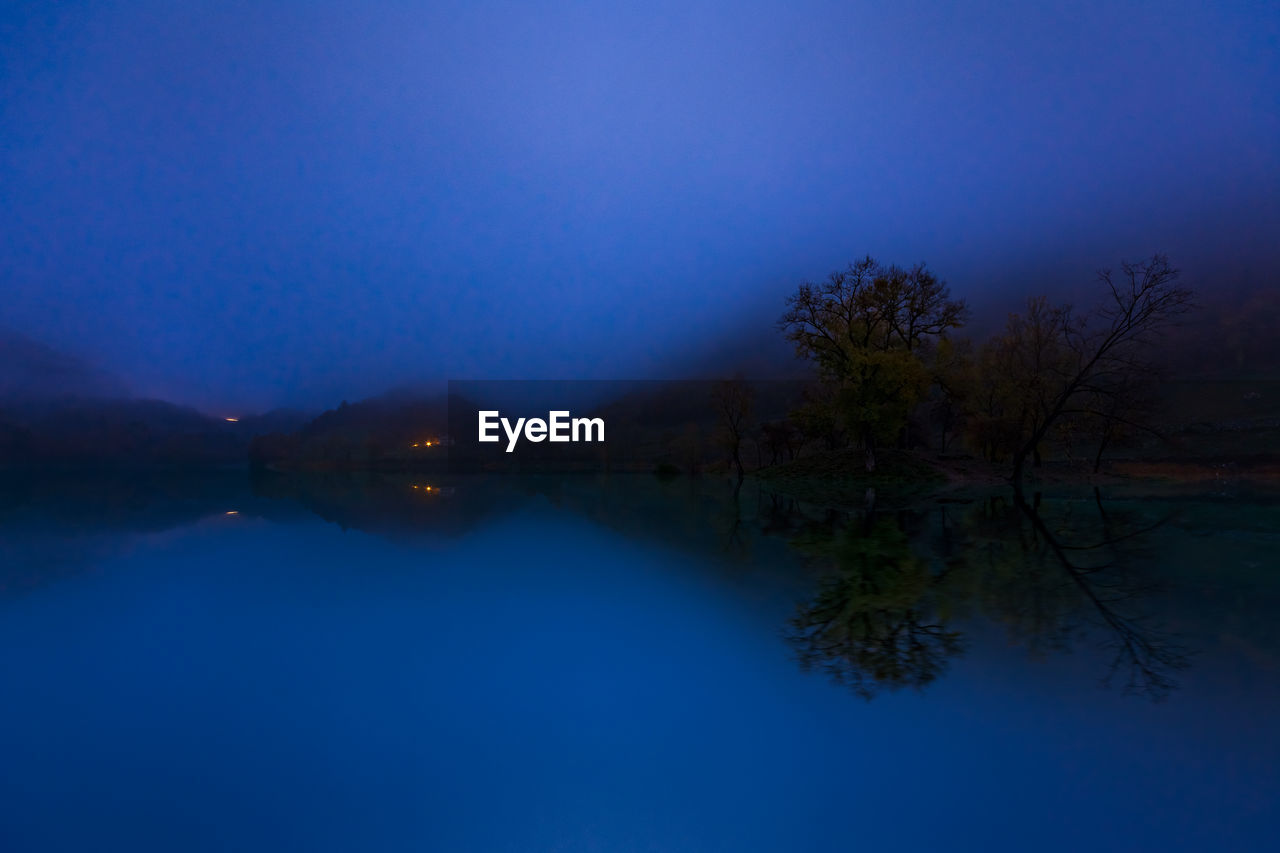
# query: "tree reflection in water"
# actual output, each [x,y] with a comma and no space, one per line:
[897,589]
[880,619]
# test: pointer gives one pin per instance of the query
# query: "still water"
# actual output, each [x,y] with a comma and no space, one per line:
[365,664]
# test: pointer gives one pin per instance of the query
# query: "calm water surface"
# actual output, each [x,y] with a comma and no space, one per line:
[631,665]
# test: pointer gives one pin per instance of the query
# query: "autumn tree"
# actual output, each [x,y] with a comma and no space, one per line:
[864,328]
[954,370]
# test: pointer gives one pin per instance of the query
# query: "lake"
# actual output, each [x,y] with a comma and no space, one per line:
[630,664]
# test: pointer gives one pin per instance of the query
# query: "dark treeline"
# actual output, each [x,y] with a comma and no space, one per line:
[894,369]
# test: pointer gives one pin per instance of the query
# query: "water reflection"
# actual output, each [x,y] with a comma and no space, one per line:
[880,617]
[898,587]
[892,598]
[351,663]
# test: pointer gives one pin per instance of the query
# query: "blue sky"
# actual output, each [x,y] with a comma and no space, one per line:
[240,205]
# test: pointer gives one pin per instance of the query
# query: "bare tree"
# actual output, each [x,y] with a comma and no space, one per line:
[1055,363]
[733,400]
[1125,408]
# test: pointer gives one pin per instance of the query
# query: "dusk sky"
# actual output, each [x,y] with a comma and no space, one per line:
[245,204]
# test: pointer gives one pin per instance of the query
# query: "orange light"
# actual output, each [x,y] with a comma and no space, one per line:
[232,512]
[232,420]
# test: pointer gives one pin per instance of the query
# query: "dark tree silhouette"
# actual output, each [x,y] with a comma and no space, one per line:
[734,401]
[863,329]
[1052,363]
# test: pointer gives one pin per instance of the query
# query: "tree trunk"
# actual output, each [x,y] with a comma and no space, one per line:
[1102,446]
[1019,461]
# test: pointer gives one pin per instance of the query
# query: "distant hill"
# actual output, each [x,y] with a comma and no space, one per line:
[57,411]
[379,432]
[114,433]
[122,433]
[31,371]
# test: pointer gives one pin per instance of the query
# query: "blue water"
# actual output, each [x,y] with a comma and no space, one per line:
[365,669]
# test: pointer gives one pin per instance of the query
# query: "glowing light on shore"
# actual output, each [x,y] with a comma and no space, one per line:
[232,512]
[232,420]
